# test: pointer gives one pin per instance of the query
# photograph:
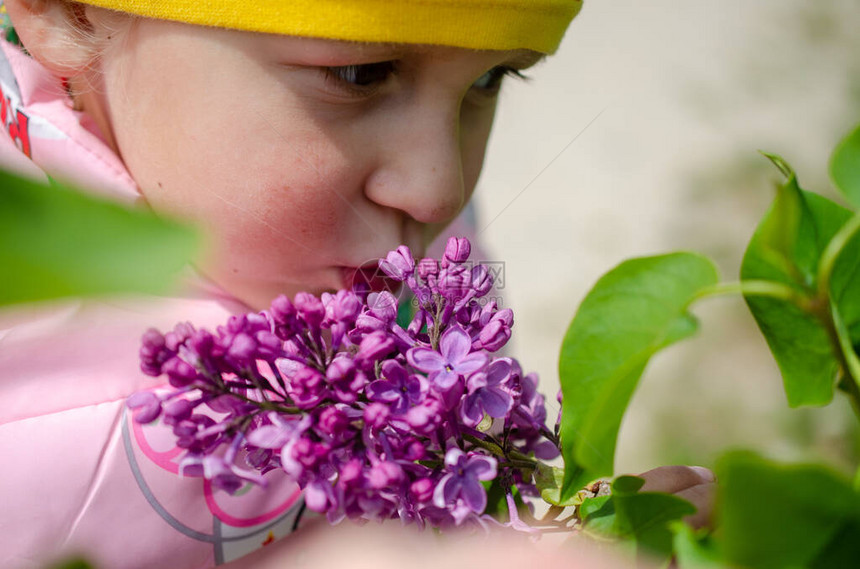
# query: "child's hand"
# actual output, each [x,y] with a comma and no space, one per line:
[692,483]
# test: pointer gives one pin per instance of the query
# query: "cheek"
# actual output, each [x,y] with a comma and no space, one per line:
[475,127]
[283,212]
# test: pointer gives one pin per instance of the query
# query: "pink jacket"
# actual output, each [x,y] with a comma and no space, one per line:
[78,475]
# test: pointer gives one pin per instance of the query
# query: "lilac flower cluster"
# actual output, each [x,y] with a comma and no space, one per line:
[372,419]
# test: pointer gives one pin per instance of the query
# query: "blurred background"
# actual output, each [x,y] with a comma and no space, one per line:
[640,136]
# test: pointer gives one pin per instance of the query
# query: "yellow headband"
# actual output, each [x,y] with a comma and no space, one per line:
[477,24]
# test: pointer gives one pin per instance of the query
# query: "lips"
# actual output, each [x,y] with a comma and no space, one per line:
[370,277]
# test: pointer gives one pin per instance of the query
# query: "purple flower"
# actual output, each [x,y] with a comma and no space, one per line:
[369,419]
[399,388]
[497,332]
[376,415]
[285,317]
[279,432]
[384,474]
[306,386]
[319,495]
[421,490]
[486,395]
[482,280]
[153,352]
[222,471]
[451,361]
[251,341]
[374,347]
[310,308]
[515,522]
[223,474]
[398,264]
[179,372]
[463,480]
[332,422]
[382,306]
[177,410]
[531,412]
[455,283]
[345,379]
[146,404]
[342,307]
[176,337]
[457,249]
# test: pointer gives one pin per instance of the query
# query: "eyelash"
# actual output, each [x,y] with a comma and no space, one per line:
[495,77]
[361,79]
[364,79]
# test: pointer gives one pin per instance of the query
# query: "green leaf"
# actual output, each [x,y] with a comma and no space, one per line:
[549,480]
[630,515]
[843,284]
[788,234]
[632,312]
[497,506]
[845,167]
[694,549]
[55,242]
[406,311]
[774,516]
[798,339]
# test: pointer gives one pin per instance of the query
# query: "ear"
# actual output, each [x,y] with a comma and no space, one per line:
[54,32]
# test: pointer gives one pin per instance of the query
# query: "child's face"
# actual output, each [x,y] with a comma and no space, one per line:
[298,172]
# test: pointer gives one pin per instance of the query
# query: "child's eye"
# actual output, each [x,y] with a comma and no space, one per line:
[491,81]
[362,77]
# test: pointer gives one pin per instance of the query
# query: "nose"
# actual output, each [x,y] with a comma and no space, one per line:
[420,170]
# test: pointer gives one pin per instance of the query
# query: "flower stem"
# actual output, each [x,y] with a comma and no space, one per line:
[831,254]
[486,445]
[754,288]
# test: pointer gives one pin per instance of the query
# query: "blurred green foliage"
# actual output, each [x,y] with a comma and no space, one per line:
[56,242]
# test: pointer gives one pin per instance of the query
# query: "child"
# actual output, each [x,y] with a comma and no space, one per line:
[306,138]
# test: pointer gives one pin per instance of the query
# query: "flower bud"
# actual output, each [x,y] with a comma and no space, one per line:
[414,450]
[202,343]
[376,415]
[180,333]
[332,421]
[179,372]
[284,314]
[384,474]
[424,417]
[153,352]
[147,406]
[367,323]
[482,280]
[422,490]
[428,268]
[454,282]
[457,249]
[351,473]
[177,410]
[374,347]
[383,306]
[310,308]
[340,370]
[398,264]
[306,386]
[242,348]
[345,306]
[494,335]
